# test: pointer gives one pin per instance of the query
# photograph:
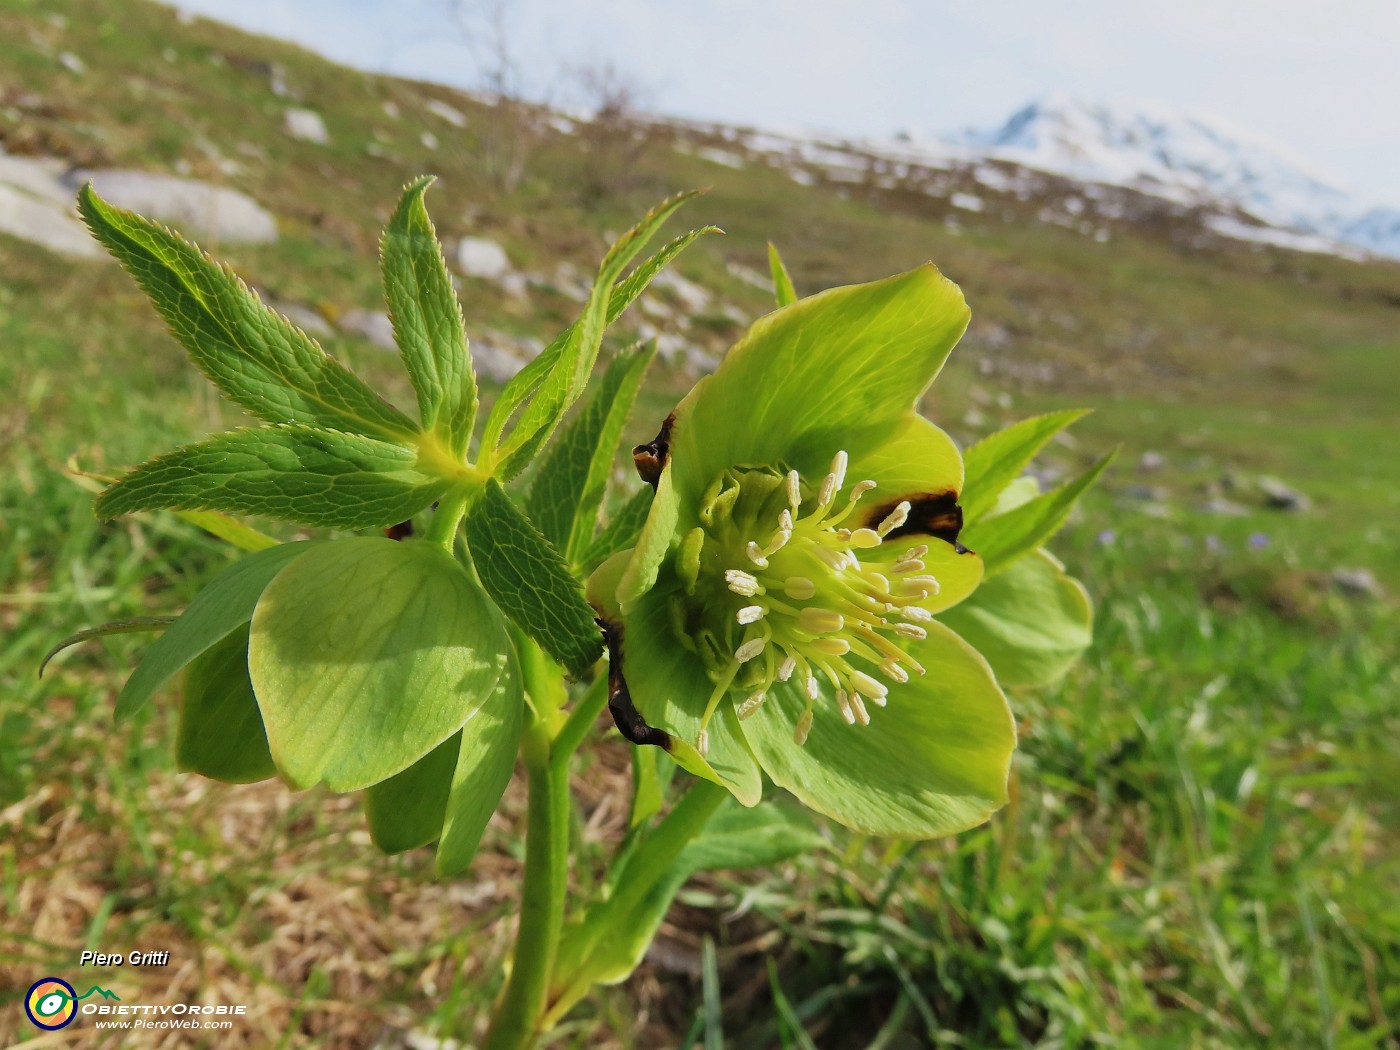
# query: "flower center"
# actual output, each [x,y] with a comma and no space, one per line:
[783,590]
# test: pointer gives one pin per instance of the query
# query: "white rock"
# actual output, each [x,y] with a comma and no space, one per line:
[429,140]
[306,124]
[479,257]
[196,207]
[43,222]
[694,298]
[447,113]
[72,63]
[305,318]
[373,325]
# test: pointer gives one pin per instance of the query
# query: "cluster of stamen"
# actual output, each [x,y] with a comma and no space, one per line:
[818,601]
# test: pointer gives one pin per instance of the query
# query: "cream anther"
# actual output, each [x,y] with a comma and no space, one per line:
[803,727]
[860,489]
[794,489]
[865,538]
[831,646]
[755,553]
[811,687]
[751,704]
[910,630]
[799,588]
[913,612]
[895,519]
[892,669]
[838,468]
[742,583]
[786,668]
[909,565]
[858,709]
[863,683]
[746,652]
[702,742]
[845,705]
[750,614]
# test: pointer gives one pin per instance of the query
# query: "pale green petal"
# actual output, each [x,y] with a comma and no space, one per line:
[670,688]
[659,534]
[915,458]
[1031,620]
[832,370]
[933,762]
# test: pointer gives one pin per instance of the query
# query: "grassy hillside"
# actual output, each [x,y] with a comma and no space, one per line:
[1196,854]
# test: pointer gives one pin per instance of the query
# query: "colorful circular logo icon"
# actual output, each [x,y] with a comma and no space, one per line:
[51,1003]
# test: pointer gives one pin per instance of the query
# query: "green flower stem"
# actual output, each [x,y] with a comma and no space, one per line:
[518,1021]
[442,530]
[652,860]
[581,720]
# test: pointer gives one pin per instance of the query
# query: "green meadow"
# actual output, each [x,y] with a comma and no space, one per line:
[1201,850]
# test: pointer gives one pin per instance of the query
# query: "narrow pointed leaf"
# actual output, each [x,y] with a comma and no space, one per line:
[295,473]
[253,354]
[527,381]
[225,604]
[428,322]
[569,370]
[230,530]
[221,734]
[783,291]
[568,490]
[485,762]
[621,532]
[128,626]
[366,654]
[1004,537]
[528,579]
[996,460]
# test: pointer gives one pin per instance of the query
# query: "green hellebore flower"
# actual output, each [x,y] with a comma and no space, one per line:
[778,611]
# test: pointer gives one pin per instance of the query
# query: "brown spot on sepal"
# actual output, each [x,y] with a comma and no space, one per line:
[650,459]
[930,514]
[624,713]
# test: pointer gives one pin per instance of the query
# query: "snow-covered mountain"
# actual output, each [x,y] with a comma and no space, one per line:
[1191,159]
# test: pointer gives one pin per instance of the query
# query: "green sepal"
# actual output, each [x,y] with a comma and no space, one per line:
[1031,621]
[291,472]
[406,811]
[366,654]
[1002,538]
[995,461]
[253,354]
[221,733]
[568,489]
[428,322]
[485,762]
[783,291]
[933,762]
[225,604]
[837,370]
[527,578]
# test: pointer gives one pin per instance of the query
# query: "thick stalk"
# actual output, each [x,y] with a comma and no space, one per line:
[516,1025]
[442,528]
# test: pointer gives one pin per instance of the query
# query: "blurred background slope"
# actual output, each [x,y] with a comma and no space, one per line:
[1201,848]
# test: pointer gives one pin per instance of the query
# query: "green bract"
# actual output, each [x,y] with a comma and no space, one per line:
[778,611]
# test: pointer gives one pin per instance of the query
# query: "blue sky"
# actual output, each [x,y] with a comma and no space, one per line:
[1318,78]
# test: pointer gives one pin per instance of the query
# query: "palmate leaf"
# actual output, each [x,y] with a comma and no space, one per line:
[225,604]
[998,459]
[428,322]
[295,473]
[568,490]
[530,582]
[366,654]
[1003,538]
[254,355]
